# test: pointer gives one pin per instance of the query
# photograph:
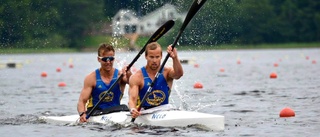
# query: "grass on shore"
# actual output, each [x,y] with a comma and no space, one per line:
[92,42]
[259,46]
[40,50]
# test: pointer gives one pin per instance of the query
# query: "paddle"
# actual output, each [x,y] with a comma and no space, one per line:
[159,33]
[197,4]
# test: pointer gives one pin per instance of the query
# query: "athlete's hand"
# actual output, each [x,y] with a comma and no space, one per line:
[134,113]
[172,53]
[83,118]
[124,70]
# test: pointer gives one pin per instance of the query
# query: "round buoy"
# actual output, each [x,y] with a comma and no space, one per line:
[62,84]
[273,75]
[70,65]
[287,112]
[196,65]
[221,69]
[275,64]
[58,69]
[238,62]
[314,62]
[307,57]
[44,74]
[197,85]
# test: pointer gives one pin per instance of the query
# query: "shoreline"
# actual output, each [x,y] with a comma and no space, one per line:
[4,51]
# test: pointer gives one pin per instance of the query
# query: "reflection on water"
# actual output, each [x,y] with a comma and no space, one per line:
[242,92]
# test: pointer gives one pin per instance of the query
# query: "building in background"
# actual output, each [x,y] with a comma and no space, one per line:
[126,21]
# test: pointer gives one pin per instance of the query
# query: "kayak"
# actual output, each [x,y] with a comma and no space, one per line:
[165,116]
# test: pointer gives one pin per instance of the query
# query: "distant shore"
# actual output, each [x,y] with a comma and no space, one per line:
[4,51]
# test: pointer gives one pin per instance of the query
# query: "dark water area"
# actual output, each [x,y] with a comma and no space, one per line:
[236,84]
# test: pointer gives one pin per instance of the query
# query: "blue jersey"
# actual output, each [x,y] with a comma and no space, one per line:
[113,97]
[160,91]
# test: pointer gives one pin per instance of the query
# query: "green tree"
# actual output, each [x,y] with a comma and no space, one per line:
[76,17]
[256,22]
[216,23]
[41,23]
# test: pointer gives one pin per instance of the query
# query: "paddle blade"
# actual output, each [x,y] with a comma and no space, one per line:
[196,5]
[161,31]
[156,35]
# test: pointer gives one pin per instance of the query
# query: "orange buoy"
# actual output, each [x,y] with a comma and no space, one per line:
[62,84]
[197,85]
[58,69]
[221,69]
[70,65]
[314,62]
[238,62]
[273,75]
[287,112]
[307,57]
[275,64]
[44,74]
[196,65]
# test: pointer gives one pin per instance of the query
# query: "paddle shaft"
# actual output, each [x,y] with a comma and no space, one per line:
[197,4]
[159,33]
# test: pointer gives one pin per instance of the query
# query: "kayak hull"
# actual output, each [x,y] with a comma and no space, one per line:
[168,118]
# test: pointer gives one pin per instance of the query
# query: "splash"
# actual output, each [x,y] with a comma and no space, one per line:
[184,105]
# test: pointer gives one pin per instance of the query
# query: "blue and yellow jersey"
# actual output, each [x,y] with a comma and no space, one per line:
[160,91]
[113,97]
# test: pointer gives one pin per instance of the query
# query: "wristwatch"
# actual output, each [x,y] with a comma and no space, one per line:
[80,114]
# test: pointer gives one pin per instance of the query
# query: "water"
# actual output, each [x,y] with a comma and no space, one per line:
[243,93]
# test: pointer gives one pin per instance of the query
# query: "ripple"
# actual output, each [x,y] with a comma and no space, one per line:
[21,119]
[229,105]
[242,111]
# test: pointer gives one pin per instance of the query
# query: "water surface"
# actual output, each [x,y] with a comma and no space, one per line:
[243,93]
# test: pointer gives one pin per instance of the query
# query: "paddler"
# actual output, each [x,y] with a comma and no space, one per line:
[140,81]
[98,82]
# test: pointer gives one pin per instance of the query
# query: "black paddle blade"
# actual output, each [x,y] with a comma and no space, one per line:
[156,35]
[161,31]
[196,5]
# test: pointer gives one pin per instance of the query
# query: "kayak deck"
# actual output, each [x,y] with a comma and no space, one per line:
[158,117]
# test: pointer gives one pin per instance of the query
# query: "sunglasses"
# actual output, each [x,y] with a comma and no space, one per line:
[105,59]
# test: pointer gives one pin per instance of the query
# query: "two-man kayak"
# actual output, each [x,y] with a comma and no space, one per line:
[166,116]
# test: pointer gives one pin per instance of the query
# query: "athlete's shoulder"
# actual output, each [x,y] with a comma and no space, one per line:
[137,74]
[90,79]
[91,75]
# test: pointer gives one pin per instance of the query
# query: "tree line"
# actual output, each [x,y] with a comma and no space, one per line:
[42,23]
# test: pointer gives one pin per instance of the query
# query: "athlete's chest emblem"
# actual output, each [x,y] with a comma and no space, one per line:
[108,98]
[156,97]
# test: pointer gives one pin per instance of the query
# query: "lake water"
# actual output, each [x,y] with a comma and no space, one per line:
[244,93]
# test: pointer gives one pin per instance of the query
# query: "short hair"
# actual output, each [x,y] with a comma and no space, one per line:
[152,46]
[105,48]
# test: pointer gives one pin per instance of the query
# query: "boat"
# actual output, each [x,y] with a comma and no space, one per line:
[165,116]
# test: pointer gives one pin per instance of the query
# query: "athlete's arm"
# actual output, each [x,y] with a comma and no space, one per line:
[85,95]
[177,71]
[133,94]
